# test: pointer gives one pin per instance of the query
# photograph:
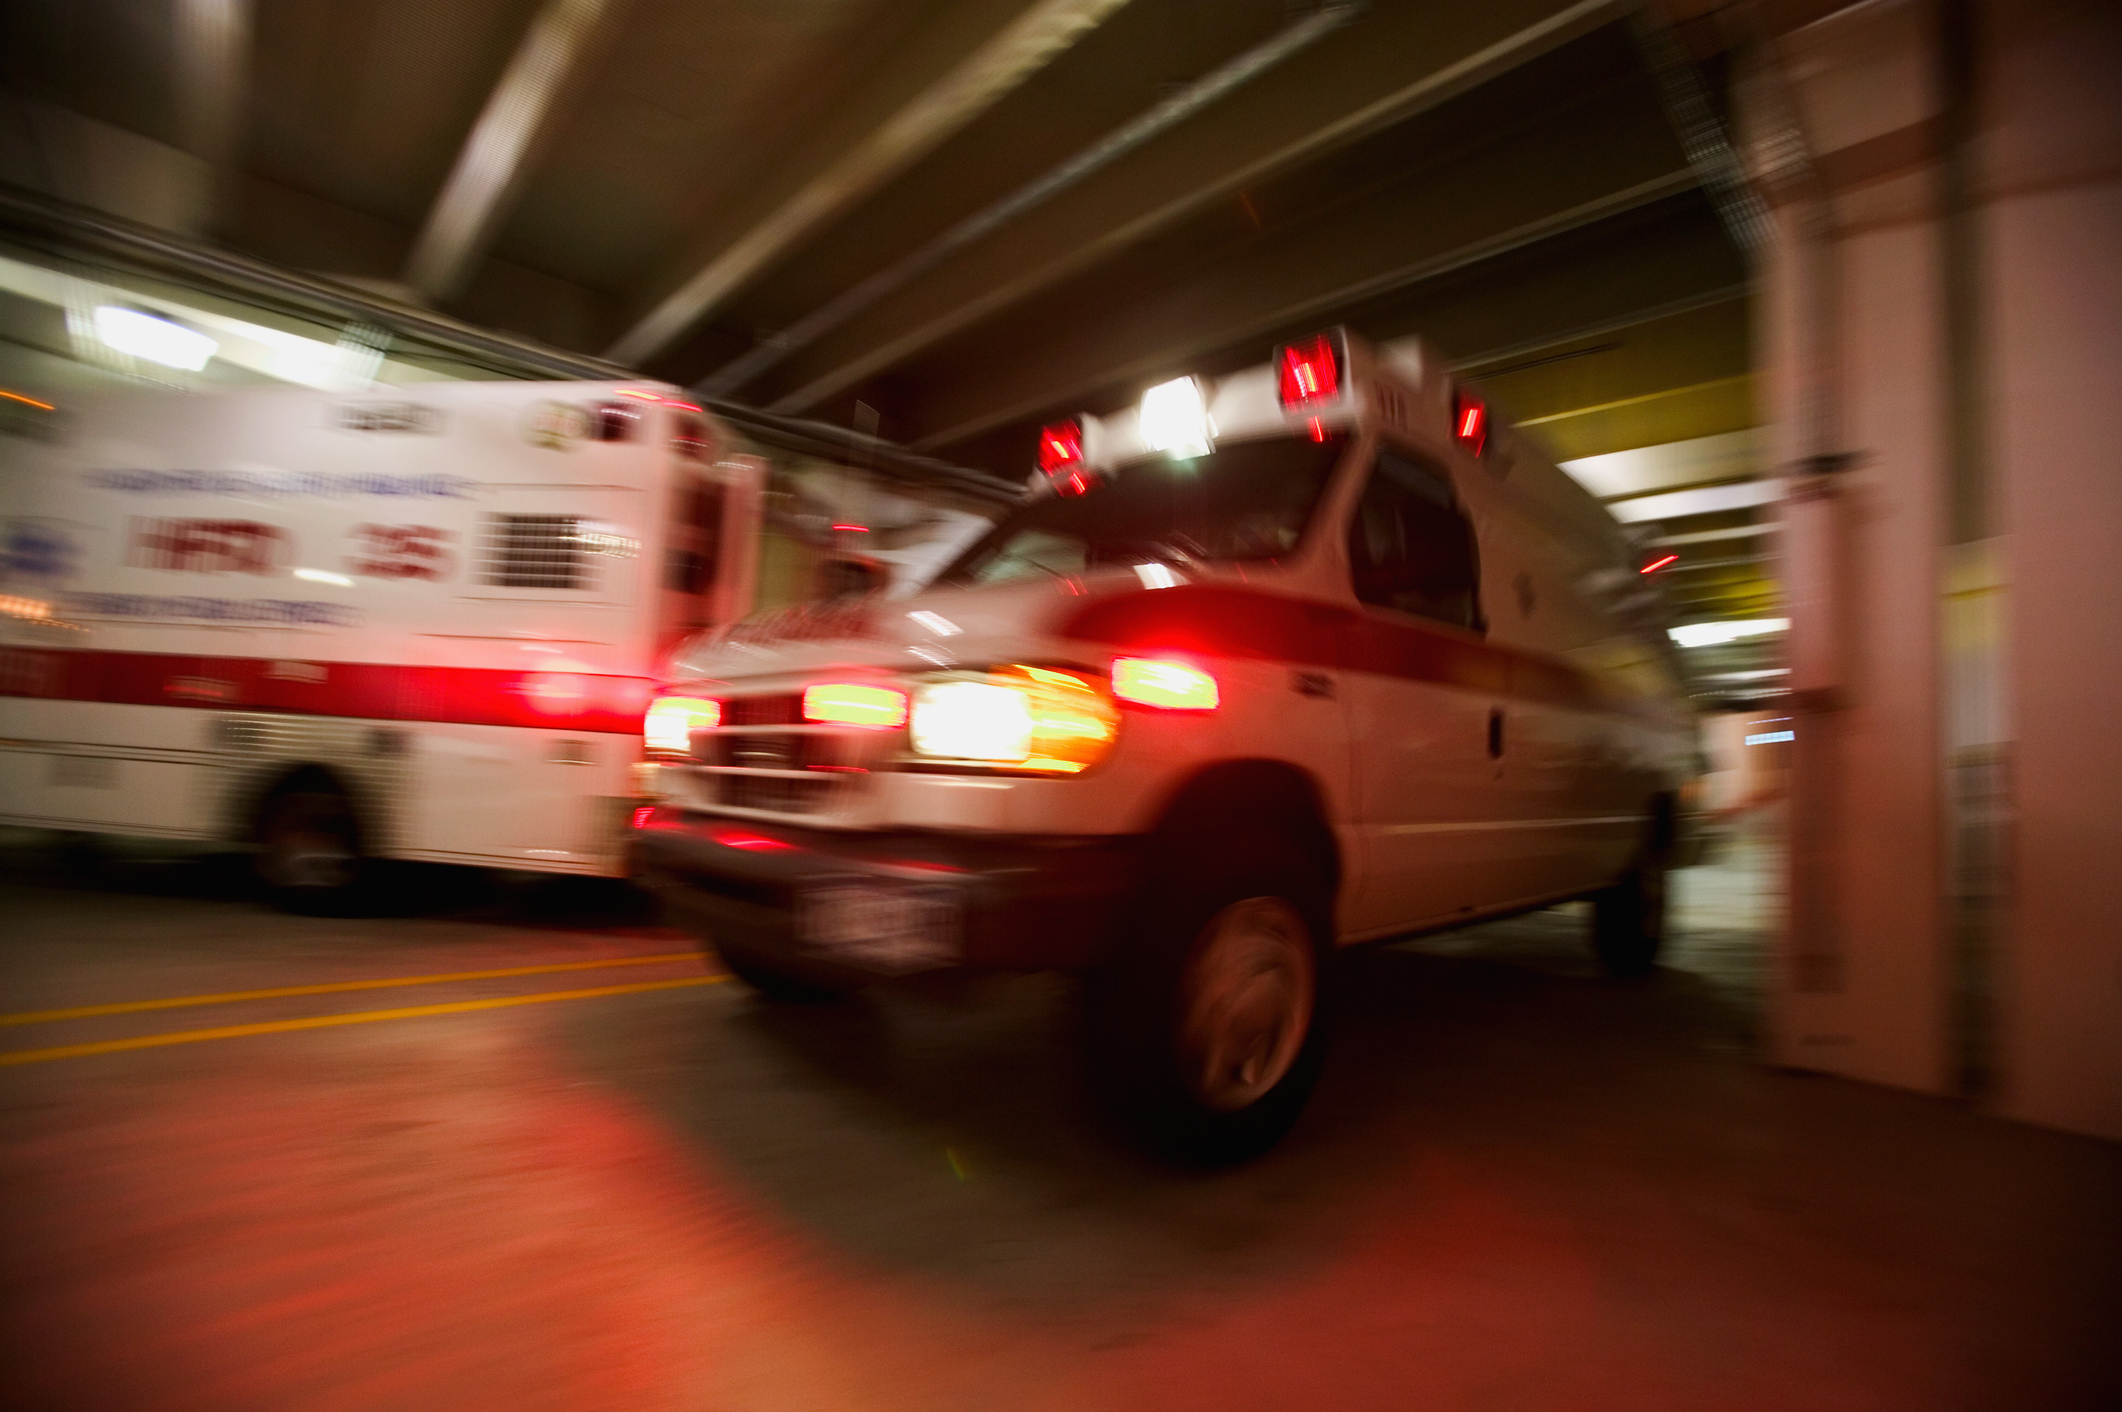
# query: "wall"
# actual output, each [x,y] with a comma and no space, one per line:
[2052,159]
[1955,326]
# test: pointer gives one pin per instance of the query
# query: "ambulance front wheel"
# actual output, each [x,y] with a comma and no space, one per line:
[770,982]
[309,851]
[1207,1030]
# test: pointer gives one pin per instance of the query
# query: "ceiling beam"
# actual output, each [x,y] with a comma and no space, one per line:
[1214,287]
[1173,109]
[1349,85]
[1320,305]
[213,42]
[460,226]
[1040,33]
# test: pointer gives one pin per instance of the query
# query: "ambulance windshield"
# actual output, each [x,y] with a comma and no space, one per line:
[1248,500]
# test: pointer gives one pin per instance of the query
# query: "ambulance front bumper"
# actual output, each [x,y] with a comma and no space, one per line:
[839,907]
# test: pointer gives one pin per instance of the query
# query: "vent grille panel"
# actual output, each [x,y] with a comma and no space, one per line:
[534,551]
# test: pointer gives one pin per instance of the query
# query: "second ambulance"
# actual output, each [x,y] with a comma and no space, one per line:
[1311,655]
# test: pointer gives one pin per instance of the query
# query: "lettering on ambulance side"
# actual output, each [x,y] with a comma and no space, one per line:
[206,546]
[401,552]
[388,417]
[1233,622]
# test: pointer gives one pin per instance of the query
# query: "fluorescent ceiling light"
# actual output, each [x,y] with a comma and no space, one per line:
[936,623]
[1710,634]
[158,340]
[1174,420]
[324,576]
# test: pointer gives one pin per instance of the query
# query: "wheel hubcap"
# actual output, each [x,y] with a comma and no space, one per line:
[1246,1002]
[306,850]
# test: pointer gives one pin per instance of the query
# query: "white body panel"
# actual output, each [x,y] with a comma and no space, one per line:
[1385,715]
[451,600]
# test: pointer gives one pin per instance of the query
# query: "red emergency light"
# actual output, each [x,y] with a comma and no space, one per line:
[1061,447]
[1470,421]
[1662,561]
[1308,374]
[1061,457]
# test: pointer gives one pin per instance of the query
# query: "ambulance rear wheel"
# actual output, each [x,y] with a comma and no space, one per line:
[1628,919]
[309,852]
[1207,1032]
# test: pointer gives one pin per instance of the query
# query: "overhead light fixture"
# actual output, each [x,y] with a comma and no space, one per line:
[154,338]
[1731,630]
[324,576]
[1174,420]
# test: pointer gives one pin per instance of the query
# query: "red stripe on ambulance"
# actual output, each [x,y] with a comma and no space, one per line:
[373,691]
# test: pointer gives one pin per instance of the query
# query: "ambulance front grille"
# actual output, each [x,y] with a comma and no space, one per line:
[764,759]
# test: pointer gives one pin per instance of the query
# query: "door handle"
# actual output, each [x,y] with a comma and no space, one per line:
[1312,684]
[1495,733]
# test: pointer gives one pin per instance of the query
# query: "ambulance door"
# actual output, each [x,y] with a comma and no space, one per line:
[1560,750]
[711,546]
[1424,692]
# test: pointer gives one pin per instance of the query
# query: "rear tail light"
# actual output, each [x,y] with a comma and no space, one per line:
[668,727]
[1308,375]
[855,704]
[1167,685]
[1470,421]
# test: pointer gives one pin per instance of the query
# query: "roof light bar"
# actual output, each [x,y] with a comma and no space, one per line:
[1309,374]
[1061,457]
[1470,421]
[1174,419]
[1061,446]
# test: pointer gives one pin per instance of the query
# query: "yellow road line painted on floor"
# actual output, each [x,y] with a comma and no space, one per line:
[83,1012]
[318,1022]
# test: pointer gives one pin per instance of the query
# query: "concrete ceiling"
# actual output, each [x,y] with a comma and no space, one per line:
[872,204]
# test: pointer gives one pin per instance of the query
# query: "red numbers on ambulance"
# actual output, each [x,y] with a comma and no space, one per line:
[401,552]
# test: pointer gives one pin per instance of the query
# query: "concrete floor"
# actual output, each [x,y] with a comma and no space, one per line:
[1520,1187]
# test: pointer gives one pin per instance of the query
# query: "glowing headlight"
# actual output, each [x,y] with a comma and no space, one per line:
[971,720]
[668,727]
[1026,718]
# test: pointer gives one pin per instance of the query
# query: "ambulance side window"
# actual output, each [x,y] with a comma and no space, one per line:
[1411,549]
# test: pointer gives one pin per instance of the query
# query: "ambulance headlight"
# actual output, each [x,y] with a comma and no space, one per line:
[1037,719]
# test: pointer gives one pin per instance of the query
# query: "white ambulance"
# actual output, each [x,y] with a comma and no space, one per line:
[420,624]
[1307,656]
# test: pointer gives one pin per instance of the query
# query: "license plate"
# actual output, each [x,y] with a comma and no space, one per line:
[879,923]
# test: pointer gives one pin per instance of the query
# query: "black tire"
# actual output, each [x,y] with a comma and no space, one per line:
[310,856]
[772,983]
[1195,1041]
[1628,919]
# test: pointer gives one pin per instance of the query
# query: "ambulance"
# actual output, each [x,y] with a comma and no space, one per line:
[419,624]
[1315,654]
